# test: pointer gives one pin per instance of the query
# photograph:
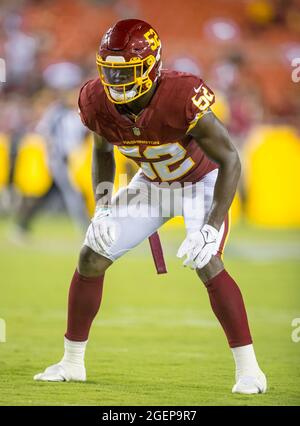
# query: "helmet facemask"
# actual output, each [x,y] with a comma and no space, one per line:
[125,81]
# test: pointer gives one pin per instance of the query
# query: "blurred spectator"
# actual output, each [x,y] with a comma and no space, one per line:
[20,51]
[232,76]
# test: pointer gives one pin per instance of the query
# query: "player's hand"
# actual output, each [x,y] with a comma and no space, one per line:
[102,230]
[199,247]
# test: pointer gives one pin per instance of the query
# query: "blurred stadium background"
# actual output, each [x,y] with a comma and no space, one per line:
[244,50]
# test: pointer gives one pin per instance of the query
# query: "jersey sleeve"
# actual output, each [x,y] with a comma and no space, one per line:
[82,106]
[199,101]
[86,107]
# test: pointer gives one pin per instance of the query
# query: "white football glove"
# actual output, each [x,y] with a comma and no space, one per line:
[199,247]
[101,233]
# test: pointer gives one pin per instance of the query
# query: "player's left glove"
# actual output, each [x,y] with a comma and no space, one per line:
[199,247]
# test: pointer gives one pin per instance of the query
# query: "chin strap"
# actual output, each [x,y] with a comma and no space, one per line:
[157,253]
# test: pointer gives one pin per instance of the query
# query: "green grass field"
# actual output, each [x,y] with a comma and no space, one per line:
[155,341]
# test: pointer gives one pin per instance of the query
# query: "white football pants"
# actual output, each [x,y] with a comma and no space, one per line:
[143,207]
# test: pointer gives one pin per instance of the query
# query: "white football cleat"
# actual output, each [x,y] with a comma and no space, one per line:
[62,372]
[251,384]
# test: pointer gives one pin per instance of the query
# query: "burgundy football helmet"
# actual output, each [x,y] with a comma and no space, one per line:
[129,60]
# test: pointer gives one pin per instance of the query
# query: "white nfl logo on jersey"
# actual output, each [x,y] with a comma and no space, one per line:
[136,131]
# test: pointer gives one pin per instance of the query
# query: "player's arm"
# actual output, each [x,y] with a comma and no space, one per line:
[103,170]
[214,140]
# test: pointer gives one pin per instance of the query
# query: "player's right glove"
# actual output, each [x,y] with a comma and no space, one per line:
[101,233]
[199,247]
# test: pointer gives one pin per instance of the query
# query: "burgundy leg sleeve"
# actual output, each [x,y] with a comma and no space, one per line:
[84,301]
[227,303]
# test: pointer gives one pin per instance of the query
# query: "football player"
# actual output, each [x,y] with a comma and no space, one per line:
[162,120]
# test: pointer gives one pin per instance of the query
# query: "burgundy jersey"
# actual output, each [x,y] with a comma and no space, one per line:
[158,140]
